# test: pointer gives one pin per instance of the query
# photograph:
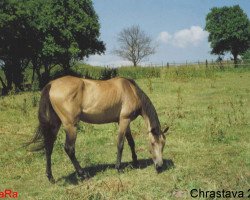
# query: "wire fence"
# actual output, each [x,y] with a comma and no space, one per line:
[205,63]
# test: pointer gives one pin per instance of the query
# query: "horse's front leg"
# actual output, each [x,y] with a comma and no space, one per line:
[70,148]
[132,146]
[123,125]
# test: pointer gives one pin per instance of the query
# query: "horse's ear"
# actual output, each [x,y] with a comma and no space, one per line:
[165,130]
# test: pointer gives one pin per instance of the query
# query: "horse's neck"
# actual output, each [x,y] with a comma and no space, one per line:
[151,118]
[148,111]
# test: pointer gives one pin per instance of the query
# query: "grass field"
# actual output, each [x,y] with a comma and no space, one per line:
[208,145]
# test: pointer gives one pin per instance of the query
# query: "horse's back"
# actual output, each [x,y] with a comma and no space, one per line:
[109,99]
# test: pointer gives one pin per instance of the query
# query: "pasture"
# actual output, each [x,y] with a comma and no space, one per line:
[207,110]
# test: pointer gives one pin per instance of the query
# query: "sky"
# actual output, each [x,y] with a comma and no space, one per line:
[175,26]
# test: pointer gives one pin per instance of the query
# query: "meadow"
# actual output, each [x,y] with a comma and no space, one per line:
[208,145]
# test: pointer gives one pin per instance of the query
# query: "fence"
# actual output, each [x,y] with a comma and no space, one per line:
[211,63]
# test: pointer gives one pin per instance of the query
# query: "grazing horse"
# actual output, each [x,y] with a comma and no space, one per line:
[68,100]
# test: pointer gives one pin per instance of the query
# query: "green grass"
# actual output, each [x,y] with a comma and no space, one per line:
[208,112]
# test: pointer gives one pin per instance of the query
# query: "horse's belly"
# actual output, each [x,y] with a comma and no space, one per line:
[99,117]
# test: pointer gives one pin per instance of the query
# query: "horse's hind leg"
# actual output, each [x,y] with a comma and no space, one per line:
[70,147]
[132,146]
[49,140]
[123,125]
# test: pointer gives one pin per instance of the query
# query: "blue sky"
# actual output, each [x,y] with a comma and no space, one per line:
[176,26]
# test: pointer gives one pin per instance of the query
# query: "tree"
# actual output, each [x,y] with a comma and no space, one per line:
[47,33]
[69,32]
[134,44]
[229,31]
[14,42]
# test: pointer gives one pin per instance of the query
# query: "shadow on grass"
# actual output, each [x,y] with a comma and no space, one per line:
[93,170]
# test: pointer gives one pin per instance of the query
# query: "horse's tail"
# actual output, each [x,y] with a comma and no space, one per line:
[44,114]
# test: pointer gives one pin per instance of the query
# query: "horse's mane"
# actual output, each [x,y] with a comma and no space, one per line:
[147,107]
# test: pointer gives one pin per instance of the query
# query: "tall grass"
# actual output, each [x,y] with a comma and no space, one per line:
[182,73]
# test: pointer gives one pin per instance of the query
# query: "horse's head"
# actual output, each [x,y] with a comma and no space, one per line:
[157,143]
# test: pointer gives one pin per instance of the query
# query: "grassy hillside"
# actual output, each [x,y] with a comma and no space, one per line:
[208,112]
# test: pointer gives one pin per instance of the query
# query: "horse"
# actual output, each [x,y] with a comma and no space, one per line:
[68,100]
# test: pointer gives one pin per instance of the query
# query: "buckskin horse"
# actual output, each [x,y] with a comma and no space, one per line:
[69,99]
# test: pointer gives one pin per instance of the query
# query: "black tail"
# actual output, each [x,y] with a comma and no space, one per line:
[43,128]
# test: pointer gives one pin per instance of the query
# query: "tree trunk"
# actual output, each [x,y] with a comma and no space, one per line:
[36,69]
[134,63]
[235,55]
[4,87]
[33,75]
[66,66]
[9,77]
[17,74]
[46,73]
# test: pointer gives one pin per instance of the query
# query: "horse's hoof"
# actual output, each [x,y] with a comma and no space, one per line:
[159,170]
[82,174]
[119,170]
[52,180]
[135,164]
[118,167]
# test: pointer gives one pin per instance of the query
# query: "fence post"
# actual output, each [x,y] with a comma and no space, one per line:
[206,64]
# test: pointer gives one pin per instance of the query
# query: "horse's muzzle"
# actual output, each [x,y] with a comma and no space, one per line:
[158,167]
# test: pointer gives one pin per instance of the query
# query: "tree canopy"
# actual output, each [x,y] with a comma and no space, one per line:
[229,31]
[46,33]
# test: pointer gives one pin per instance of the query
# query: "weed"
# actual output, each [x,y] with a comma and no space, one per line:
[35,100]
[24,107]
[179,104]
[149,85]
[214,126]
[236,115]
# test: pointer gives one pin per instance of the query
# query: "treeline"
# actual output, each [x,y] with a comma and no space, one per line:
[41,34]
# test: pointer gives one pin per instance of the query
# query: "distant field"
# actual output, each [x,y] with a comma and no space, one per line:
[208,145]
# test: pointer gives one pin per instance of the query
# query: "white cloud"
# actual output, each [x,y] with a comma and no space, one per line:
[164,37]
[192,36]
[185,37]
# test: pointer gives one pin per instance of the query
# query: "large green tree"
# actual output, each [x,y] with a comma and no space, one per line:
[70,32]
[15,38]
[46,33]
[229,31]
